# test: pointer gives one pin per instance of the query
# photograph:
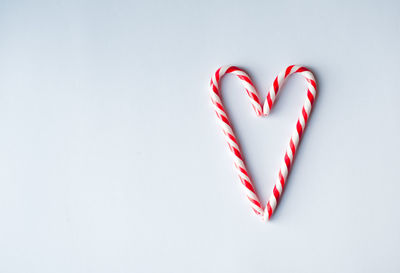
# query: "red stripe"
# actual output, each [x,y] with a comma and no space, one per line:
[231,137]
[232,69]
[305,116]
[219,106]
[217,74]
[312,83]
[281,179]
[276,193]
[253,96]
[255,202]
[276,85]
[288,70]
[287,161]
[246,79]
[243,171]
[215,89]
[292,146]
[302,69]
[247,184]
[235,151]
[299,128]
[223,118]
[310,97]
[269,101]
[269,209]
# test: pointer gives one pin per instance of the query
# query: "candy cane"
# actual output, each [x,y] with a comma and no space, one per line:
[232,142]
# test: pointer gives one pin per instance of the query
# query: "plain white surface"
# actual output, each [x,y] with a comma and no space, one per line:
[111,159]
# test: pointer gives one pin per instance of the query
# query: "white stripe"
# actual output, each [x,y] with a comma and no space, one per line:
[272,202]
[222,71]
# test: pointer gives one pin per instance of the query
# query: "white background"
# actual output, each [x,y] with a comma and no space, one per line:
[111,159]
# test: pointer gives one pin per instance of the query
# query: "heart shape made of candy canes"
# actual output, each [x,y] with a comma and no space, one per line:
[232,142]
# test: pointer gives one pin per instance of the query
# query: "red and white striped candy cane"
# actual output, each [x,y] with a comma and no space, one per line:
[232,142]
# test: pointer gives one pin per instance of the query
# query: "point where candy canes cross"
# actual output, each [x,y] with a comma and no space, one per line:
[232,142]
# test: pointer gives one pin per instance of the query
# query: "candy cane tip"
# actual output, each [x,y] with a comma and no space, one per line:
[265,217]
